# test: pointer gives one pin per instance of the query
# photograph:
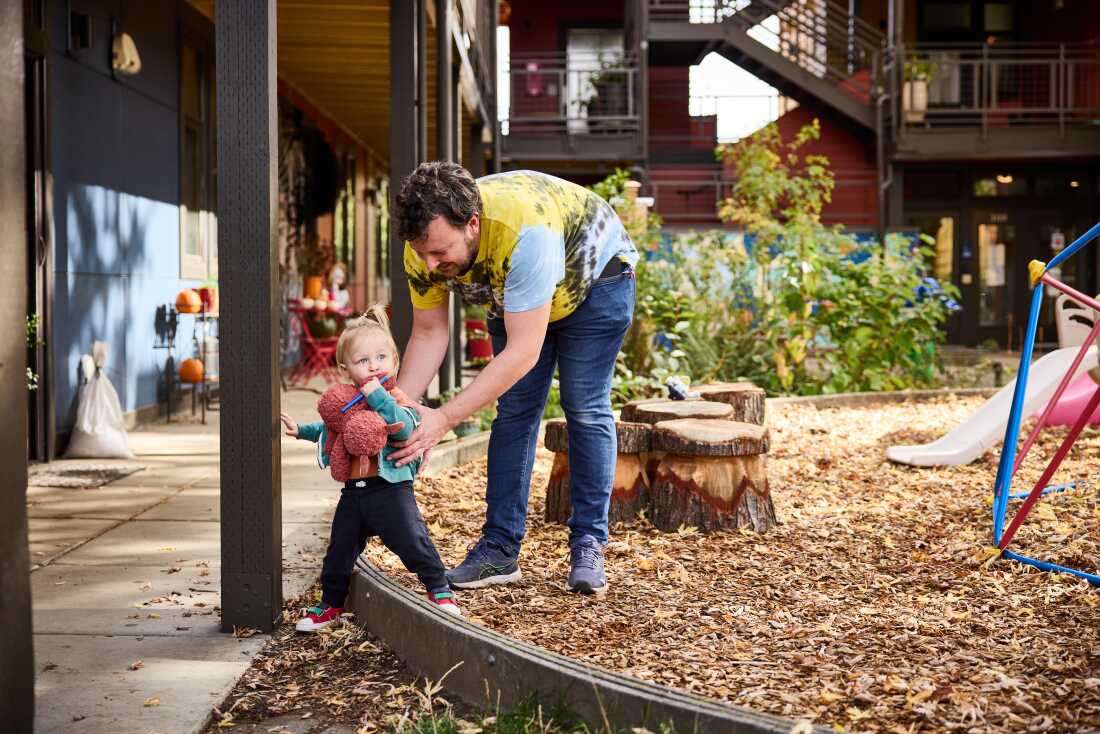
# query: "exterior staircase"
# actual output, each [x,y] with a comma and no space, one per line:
[816,53]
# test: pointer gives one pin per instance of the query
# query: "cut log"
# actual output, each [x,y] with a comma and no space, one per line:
[693,437]
[713,476]
[629,489]
[712,493]
[746,399]
[630,486]
[632,438]
[670,410]
[628,411]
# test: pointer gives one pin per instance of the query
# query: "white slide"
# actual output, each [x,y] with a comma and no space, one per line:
[986,428]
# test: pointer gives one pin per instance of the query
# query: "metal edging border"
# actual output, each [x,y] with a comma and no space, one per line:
[493,669]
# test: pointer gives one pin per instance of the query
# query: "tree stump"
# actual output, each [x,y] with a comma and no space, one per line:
[627,413]
[670,410]
[630,487]
[713,476]
[746,399]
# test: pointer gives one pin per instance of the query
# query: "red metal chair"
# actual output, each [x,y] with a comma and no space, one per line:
[317,354]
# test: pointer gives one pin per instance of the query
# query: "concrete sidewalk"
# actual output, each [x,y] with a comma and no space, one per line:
[125,582]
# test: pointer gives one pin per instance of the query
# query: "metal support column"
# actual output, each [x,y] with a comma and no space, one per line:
[251,480]
[16,644]
[493,122]
[445,151]
[407,77]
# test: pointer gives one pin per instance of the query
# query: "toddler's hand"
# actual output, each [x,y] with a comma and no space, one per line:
[290,423]
[370,386]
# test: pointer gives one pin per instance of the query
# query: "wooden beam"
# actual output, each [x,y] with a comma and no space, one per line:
[404,145]
[16,642]
[251,477]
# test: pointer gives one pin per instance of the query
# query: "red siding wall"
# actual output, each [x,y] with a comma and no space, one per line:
[855,202]
[535,26]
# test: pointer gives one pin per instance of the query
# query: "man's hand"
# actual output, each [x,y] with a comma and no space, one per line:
[433,424]
[290,424]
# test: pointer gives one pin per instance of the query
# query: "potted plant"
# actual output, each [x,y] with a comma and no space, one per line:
[609,97]
[918,72]
[479,348]
[314,258]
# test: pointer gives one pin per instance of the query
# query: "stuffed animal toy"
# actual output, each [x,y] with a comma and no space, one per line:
[358,432]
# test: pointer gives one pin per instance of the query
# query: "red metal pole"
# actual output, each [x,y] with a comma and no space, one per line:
[1057,396]
[1037,490]
[1075,295]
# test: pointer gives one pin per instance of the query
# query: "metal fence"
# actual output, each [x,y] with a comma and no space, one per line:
[1002,85]
[578,94]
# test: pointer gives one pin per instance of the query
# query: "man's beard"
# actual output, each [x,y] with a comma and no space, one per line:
[472,246]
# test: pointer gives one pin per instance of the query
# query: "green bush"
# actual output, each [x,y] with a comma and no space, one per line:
[804,310]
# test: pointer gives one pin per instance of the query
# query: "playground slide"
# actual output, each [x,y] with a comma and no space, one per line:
[986,428]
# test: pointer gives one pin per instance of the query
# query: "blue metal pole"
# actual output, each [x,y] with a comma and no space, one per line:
[1076,245]
[1012,431]
[1045,566]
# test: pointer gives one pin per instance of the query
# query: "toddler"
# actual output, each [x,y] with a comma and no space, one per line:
[378,498]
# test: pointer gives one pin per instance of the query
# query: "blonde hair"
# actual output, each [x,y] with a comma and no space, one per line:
[373,322]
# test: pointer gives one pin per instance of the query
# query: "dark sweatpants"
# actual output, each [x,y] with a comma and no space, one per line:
[374,506]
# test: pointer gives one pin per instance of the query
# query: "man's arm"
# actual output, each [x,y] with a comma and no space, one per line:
[425,351]
[526,333]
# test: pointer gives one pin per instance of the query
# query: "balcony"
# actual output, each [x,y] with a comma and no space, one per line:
[572,108]
[993,101]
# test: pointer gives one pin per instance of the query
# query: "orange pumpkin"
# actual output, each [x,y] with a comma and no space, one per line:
[191,370]
[188,301]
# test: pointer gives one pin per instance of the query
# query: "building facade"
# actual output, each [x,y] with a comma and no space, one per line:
[976,122]
[122,174]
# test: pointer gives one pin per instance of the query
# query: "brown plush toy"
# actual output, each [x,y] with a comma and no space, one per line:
[359,432]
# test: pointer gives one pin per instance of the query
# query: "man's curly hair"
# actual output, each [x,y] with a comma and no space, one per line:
[435,188]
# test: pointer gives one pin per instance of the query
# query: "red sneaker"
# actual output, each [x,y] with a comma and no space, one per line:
[445,600]
[318,617]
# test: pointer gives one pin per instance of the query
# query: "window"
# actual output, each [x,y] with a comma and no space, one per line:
[198,197]
[1002,184]
[998,18]
[947,16]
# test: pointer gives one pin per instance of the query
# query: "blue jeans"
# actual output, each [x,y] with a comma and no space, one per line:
[583,346]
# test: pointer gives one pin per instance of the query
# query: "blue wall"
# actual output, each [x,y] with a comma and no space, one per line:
[115,164]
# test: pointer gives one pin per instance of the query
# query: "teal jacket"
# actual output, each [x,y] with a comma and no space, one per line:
[382,403]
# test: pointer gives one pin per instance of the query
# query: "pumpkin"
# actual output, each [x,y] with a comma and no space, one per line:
[306,303]
[188,301]
[191,370]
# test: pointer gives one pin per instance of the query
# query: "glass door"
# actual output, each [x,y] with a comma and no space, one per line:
[998,264]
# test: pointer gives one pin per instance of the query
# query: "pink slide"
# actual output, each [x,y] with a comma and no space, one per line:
[1073,401]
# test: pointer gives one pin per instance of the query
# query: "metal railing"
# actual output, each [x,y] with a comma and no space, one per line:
[692,200]
[697,199]
[679,121]
[581,94]
[993,86]
[820,36]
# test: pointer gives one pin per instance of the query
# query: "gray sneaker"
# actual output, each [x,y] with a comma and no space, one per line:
[586,574]
[486,564]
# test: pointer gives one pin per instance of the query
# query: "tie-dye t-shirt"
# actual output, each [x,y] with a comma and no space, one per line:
[542,239]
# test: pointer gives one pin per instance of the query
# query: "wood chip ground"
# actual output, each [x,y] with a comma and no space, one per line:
[873,607]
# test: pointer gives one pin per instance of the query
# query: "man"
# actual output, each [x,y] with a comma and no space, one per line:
[553,265]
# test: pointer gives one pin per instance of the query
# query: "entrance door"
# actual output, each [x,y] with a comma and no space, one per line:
[40,444]
[1050,233]
[1005,241]
[997,253]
